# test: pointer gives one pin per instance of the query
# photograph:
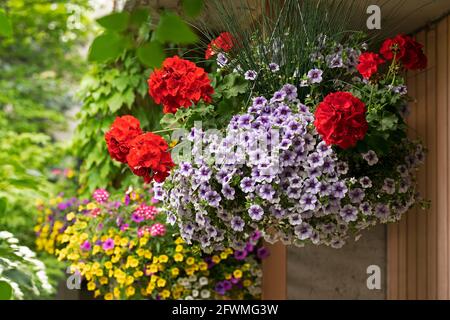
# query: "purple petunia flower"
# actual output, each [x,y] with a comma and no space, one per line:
[349,213]
[256,212]
[266,191]
[228,192]
[262,253]
[356,195]
[237,224]
[278,96]
[250,75]
[290,90]
[222,60]
[85,246]
[315,76]
[339,190]
[370,157]
[389,186]
[274,67]
[382,211]
[365,208]
[303,231]
[365,182]
[308,202]
[247,185]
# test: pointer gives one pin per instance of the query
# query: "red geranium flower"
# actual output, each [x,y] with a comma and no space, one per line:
[405,49]
[150,158]
[341,119]
[368,64]
[224,42]
[179,83]
[118,138]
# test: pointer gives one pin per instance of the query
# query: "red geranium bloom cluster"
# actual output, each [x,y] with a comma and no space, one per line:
[118,138]
[368,64]
[179,83]
[405,49]
[149,157]
[147,154]
[224,42]
[341,119]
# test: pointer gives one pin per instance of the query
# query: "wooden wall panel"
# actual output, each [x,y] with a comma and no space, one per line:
[418,246]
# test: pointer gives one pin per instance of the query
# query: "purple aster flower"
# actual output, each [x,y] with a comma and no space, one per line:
[356,195]
[222,60]
[290,90]
[256,212]
[308,201]
[108,244]
[339,190]
[250,75]
[365,208]
[274,67]
[262,253]
[266,191]
[228,192]
[303,231]
[85,246]
[315,76]
[365,182]
[382,211]
[370,157]
[349,213]
[237,224]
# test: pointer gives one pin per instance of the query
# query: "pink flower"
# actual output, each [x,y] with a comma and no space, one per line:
[108,244]
[86,245]
[100,195]
[158,229]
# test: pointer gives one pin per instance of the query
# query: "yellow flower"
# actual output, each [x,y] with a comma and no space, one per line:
[190,261]
[109,296]
[148,254]
[96,249]
[70,173]
[150,288]
[130,291]
[96,293]
[91,286]
[237,274]
[91,206]
[246,283]
[130,280]
[153,268]
[70,216]
[215,259]
[203,266]
[246,266]
[124,242]
[163,258]
[108,265]
[173,143]
[138,274]
[227,276]
[103,280]
[99,273]
[175,272]
[116,293]
[140,252]
[179,240]
[143,241]
[190,271]
[223,255]
[179,248]
[178,257]
[161,283]
[165,294]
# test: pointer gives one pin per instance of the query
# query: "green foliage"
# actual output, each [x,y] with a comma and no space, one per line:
[171,29]
[151,54]
[22,276]
[117,21]
[105,47]
[192,8]
[5,25]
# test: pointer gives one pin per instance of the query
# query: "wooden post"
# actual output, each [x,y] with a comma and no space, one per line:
[274,273]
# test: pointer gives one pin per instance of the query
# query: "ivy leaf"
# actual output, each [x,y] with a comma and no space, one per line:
[151,54]
[192,8]
[5,290]
[5,25]
[106,47]
[117,21]
[172,29]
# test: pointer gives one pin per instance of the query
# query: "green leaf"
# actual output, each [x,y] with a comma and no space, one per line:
[115,102]
[151,54]
[106,47]
[389,121]
[139,16]
[5,291]
[5,25]
[192,8]
[3,203]
[117,21]
[172,29]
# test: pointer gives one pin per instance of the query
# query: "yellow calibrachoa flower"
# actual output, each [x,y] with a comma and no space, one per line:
[178,257]
[108,265]
[109,296]
[91,206]
[179,248]
[153,268]
[215,259]
[190,261]
[175,271]
[161,283]
[130,291]
[246,283]
[237,274]
[91,286]
[203,266]
[165,294]
[163,258]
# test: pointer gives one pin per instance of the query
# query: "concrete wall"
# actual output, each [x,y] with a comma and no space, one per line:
[327,273]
